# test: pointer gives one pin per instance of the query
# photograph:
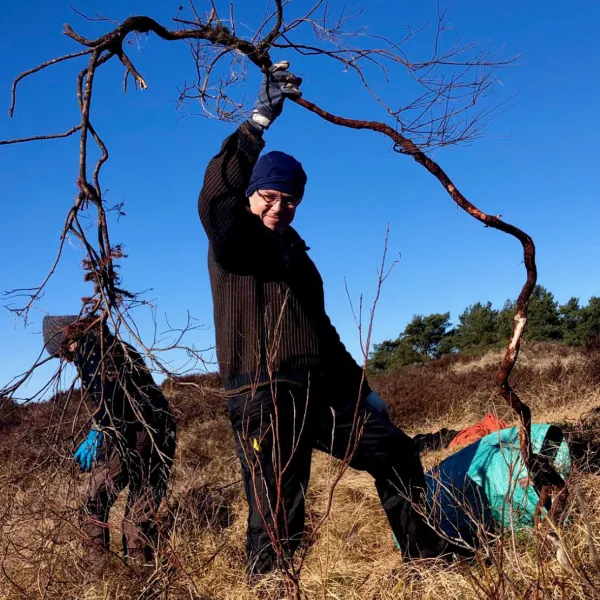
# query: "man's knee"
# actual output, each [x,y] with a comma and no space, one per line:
[384,448]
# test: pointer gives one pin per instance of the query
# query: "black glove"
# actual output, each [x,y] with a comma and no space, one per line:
[277,85]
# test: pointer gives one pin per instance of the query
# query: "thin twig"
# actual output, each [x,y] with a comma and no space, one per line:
[48,63]
[588,530]
[34,138]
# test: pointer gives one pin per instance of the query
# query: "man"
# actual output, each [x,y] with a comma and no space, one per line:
[292,385]
[131,441]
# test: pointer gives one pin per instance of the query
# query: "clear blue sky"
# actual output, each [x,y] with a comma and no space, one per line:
[537,167]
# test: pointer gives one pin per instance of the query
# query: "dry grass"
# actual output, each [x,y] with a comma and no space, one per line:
[353,557]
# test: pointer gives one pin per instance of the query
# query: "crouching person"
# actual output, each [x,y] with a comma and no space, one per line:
[485,488]
[131,441]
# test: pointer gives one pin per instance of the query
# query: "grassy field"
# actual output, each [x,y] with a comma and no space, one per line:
[352,555]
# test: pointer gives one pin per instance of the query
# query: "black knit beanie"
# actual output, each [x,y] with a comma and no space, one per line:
[278,171]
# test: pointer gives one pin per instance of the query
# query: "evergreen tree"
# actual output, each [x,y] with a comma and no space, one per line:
[425,334]
[543,318]
[571,317]
[590,320]
[423,339]
[477,329]
[390,355]
[482,327]
[505,321]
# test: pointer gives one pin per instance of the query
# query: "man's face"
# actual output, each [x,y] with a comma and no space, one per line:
[276,209]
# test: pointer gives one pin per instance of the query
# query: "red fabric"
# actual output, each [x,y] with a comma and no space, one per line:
[488,424]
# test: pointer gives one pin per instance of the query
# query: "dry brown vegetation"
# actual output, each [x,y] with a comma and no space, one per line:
[354,556]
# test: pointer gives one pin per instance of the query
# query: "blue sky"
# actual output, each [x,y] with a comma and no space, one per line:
[536,166]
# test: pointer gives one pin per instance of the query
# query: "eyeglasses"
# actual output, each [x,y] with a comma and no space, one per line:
[271,198]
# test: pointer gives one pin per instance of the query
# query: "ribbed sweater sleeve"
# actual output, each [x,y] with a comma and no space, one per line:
[222,204]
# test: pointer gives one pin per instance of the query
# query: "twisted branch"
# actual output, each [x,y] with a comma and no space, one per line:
[405,146]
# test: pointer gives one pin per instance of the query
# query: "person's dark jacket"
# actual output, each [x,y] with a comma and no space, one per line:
[269,305]
[118,382]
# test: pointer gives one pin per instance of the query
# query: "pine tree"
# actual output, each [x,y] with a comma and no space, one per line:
[477,329]
[543,318]
[571,317]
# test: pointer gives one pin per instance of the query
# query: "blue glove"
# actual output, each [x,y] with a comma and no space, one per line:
[88,450]
[374,401]
[277,85]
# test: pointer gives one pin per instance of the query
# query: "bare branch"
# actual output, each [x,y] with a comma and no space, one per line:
[588,530]
[130,68]
[96,18]
[216,34]
[34,138]
[48,63]
[272,35]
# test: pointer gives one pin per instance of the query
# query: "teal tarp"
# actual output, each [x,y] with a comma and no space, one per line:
[486,483]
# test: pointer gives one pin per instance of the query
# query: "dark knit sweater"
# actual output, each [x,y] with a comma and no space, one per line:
[118,383]
[269,305]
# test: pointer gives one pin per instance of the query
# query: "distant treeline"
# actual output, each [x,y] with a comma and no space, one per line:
[481,328]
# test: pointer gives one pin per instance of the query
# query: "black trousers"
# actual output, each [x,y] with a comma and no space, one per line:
[276,431]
